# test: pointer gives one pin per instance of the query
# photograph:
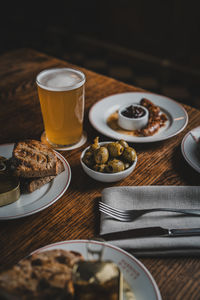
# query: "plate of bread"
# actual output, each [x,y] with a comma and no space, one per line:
[65,270]
[44,175]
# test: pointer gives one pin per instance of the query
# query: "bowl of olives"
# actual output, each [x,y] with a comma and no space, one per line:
[108,161]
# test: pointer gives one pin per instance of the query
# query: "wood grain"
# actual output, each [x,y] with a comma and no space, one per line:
[75,215]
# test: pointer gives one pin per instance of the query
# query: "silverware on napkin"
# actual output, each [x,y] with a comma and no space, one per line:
[127,215]
[150,232]
[147,197]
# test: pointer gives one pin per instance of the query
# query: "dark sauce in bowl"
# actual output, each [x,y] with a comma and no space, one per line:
[133,112]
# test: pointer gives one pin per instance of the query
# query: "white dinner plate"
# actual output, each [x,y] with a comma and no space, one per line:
[135,273]
[40,199]
[191,150]
[100,111]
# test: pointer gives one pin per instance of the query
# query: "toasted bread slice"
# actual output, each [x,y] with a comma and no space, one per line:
[59,166]
[29,185]
[45,275]
[32,158]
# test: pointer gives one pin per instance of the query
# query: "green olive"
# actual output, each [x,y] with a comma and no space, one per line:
[100,168]
[95,145]
[129,155]
[115,149]
[88,158]
[123,143]
[110,158]
[115,165]
[101,155]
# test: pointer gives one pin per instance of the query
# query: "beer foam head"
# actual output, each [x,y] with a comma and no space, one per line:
[61,79]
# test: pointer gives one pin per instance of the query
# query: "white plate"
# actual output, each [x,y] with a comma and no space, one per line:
[177,116]
[40,199]
[190,149]
[135,273]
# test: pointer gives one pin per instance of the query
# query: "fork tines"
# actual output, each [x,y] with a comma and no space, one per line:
[114,212]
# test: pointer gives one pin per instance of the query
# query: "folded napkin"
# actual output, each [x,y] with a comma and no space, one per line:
[141,197]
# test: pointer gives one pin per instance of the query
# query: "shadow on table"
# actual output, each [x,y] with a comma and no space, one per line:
[185,172]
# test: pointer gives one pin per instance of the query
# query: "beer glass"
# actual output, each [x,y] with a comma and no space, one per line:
[62,97]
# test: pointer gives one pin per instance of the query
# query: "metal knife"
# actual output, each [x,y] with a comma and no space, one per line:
[149,232]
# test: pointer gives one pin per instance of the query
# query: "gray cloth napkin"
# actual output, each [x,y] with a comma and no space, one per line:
[153,197]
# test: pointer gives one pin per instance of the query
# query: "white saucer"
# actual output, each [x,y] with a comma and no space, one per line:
[77,145]
[100,111]
[190,149]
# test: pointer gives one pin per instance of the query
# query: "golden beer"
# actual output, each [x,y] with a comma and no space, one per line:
[61,93]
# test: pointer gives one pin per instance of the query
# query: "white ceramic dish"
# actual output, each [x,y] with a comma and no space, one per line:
[133,123]
[191,150]
[40,199]
[106,177]
[135,273]
[100,111]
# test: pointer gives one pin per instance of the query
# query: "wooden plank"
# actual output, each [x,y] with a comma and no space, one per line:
[75,215]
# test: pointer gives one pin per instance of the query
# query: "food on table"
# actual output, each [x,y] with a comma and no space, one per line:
[133,117]
[9,184]
[129,155]
[34,159]
[97,280]
[100,168]
[29,185]
[44,275]
[88,158]
[61,274]
[101,155]
[123,143]
[112,157]
[133,111]
[157,119]
[115,149]
[95,145]
[35,164]
[115,165]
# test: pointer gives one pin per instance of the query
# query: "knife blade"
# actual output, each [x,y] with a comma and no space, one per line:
[150,232]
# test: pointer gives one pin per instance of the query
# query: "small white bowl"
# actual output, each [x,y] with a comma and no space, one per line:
[133,123]
[106,177]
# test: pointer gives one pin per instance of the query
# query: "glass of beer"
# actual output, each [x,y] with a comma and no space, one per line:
[62,98]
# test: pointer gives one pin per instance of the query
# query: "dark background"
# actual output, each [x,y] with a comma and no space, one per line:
[151,44]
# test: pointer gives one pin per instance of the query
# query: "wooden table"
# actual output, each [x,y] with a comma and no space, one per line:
[75,215]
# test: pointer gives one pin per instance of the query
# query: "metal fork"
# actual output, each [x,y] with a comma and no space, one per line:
[131,215]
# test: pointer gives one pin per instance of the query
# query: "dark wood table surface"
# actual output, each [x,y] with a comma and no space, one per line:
[75,215]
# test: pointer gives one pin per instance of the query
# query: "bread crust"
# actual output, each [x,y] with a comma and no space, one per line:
[29,185]
[45,275]
[32,158]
